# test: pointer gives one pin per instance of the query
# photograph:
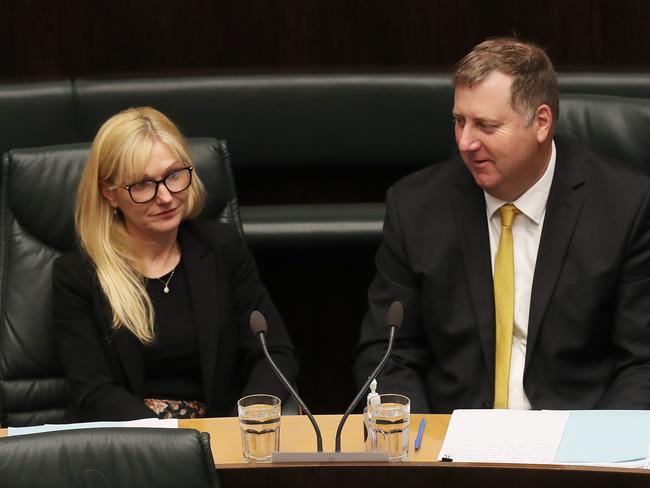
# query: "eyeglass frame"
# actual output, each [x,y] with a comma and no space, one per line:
[158,183]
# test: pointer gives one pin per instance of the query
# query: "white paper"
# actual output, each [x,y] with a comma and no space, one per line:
[155,423]
[504,436]
[37,429]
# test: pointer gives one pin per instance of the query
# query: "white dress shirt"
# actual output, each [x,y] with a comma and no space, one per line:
[526,232]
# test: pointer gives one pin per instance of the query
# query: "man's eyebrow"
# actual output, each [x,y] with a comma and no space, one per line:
[487,120]
[481,120]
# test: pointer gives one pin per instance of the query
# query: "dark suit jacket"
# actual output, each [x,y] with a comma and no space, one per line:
[589,327]
[106,367]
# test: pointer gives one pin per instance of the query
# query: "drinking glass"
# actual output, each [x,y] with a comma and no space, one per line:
[388,423]
[259,422]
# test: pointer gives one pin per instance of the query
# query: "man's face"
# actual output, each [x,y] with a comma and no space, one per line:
[504,156]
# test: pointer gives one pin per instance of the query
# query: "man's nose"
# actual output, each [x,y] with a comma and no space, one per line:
[467,140]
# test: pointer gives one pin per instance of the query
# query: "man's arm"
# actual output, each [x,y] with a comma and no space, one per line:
[630,388]
[394,280]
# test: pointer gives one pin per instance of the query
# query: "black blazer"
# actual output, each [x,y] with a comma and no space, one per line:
[589,327]
[106,367]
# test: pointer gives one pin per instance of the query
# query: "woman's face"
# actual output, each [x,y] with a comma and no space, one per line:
[162,215]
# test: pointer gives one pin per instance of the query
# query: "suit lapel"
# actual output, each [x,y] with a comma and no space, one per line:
[471,222]
[562,210]
[199,263]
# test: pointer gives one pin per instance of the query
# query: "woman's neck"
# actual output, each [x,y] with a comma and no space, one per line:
[157,256]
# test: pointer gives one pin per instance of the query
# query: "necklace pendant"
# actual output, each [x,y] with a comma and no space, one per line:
[166,289]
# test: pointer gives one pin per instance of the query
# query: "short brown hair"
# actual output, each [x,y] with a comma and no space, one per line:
[533,78]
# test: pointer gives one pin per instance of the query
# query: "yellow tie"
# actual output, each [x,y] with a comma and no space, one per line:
[504,301]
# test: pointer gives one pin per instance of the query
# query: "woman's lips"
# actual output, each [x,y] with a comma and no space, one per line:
[165,213]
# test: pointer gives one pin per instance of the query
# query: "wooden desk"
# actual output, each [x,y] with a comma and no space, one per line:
[421,470]
[297,435]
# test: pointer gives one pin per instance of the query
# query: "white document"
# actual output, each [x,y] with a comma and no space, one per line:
[37,429]
[504,436]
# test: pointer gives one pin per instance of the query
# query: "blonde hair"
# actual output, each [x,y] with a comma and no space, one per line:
[534,81]
[120,152]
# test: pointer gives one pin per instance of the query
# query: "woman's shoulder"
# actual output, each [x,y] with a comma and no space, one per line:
[74,265]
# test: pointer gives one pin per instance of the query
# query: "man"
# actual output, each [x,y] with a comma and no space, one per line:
[523,265]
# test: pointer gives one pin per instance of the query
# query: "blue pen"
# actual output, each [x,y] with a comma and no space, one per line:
[418,438]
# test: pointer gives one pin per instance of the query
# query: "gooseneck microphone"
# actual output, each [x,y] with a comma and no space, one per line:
[393,322]
[259,328]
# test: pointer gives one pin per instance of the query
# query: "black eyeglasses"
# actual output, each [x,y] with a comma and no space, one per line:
[146,190]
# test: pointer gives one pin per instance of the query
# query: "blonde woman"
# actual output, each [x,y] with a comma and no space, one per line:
[151,312]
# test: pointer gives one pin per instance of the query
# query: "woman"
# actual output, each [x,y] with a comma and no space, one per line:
[151,312]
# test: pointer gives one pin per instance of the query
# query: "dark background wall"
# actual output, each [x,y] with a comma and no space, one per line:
[73,38]
[322,304]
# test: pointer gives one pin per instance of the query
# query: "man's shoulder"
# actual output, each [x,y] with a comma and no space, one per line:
[611,173]
[211,234]
[437,179]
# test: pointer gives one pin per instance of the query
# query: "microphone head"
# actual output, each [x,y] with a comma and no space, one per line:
[395,315]
[258,322]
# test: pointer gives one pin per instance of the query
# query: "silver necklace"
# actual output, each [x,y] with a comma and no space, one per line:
[166,283]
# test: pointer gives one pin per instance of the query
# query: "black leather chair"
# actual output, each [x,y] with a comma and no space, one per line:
[37,114]
[109,458]
[36,225]
[612,127]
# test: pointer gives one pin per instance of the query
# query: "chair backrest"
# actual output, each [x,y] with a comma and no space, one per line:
[612,127]
[109,458]
[36,225]
[37,114]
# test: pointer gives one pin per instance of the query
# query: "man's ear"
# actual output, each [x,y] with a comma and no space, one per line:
[543,122]
[108,193]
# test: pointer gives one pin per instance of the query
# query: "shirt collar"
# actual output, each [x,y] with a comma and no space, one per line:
[533,202]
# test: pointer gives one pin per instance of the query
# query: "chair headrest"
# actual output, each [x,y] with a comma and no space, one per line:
[41,184]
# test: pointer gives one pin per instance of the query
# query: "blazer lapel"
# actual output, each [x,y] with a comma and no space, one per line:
[562,210]
[199,263]
[471,222]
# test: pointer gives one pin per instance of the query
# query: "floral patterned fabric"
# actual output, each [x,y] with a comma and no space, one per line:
[176,409]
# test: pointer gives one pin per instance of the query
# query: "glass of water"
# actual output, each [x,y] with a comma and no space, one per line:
[259,421]
[388,423]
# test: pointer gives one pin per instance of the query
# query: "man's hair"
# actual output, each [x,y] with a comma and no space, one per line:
[533,78]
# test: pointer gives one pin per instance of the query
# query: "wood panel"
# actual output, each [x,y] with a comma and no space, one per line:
[44,39]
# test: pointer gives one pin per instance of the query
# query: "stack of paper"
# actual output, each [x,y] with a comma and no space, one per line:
[504,436]
[592,437]
[161,424]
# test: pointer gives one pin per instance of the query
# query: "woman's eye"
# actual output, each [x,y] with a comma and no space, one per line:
[142,185]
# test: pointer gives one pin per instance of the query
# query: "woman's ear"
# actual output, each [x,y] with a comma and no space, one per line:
[108,193]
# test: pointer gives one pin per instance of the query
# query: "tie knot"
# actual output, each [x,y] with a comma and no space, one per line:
[508,212]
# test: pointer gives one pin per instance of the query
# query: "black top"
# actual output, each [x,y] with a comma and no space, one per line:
[105,367]
[172,368]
